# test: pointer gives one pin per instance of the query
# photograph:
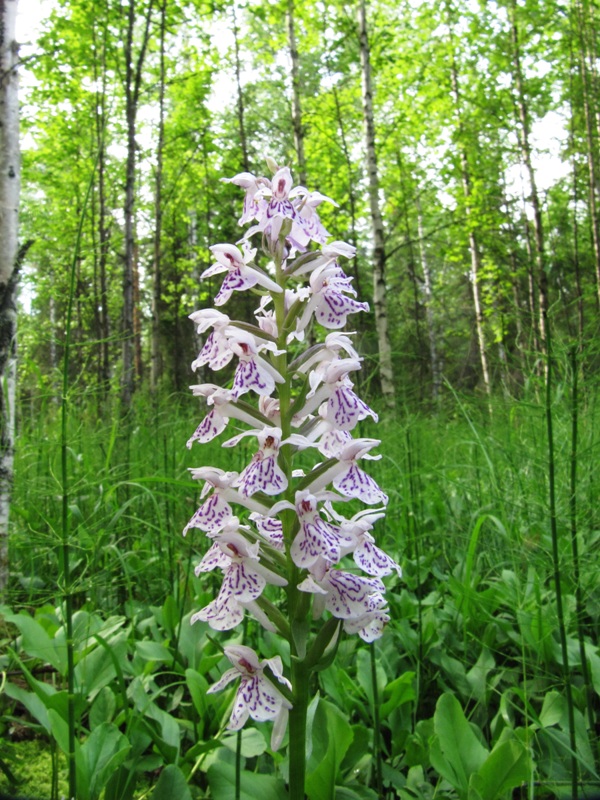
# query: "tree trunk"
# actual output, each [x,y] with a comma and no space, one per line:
[296,105]
[473,244]
[379,257]
[524,134]
[155,354]
[436,372]
[240,94]
[9,218]
[133,79]
[348,161]
[592,154]
[103,217]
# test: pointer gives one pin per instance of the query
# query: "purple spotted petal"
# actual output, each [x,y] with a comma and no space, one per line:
[258,698]
[345,409]
[212,425]
[356,483]
[211,516]
[373,560]
[369,627]
[333,442]
[249,375]
[214,558]
[263,474]
[234,281]
[221,616]
[316,538]
[271,529]
[241,582]
[349,594]
[216,352]
[334,307]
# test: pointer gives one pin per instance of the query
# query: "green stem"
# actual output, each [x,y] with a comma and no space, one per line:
[238,766]
[377,725]
[297,746]
[556,564]
[65,533]
[298,603]
[579,605]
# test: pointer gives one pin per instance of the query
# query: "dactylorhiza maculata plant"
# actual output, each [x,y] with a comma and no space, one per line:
[273,524]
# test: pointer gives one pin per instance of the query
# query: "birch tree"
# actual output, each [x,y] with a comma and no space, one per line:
[379,256]
[9,218]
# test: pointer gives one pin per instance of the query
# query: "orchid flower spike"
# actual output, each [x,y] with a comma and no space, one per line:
[273,527]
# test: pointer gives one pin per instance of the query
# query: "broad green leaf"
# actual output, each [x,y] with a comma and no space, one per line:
[397,692]
[153,651]
[221,778]
[456,752]
[355,793]
[506,767]
[477,675]
[60,731]
[167,738]
[34,704]
[36,642]
[553,709]
[103,707]
[97,669]
[171,784]
[197,684]
[102,753]
[253,742]
[320,783]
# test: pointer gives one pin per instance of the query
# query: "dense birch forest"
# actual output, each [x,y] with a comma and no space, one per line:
[460,141]
[422,178]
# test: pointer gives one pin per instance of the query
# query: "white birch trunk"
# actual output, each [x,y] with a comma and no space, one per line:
[9,218]
[386,372]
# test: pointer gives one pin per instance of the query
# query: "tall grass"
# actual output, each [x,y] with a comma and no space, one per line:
[469,519]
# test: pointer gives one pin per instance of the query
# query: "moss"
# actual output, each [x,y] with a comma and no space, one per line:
[31,763]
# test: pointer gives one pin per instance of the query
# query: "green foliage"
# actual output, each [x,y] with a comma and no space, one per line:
[468,673]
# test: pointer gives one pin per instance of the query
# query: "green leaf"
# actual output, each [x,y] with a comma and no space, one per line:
[97,669]
[34,704]
[36,642]
[103,708]
[60,731]
[171,784]
[198,685]
[221,778]
[507,767]
[553,709]
[101,754]
[397,692]
[456,753]
[153,651]
[364,676]
[253,743]
[329,720]
[355,793]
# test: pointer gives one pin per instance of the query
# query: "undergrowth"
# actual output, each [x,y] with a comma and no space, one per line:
[474,617]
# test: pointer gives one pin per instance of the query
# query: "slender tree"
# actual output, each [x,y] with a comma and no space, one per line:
[386,371]
[155,354]
[134,64]
[296,101]
[9,263]
[474,249]
[526,154]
